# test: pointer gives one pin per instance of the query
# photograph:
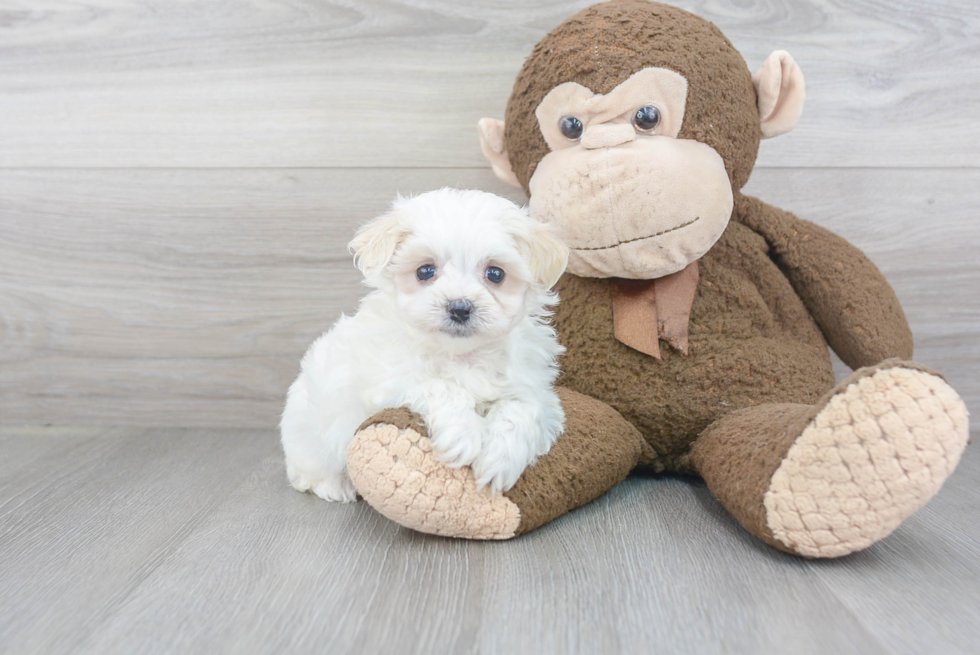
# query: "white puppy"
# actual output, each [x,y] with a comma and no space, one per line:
[455,329]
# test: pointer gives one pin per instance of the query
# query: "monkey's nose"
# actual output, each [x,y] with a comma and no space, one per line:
[607,135]
[459,310]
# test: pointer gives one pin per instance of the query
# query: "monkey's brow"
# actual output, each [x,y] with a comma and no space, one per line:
[649,236]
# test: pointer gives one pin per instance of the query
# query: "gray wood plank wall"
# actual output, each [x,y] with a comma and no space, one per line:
[178,180]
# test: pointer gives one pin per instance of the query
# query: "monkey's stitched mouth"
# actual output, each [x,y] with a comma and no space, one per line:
[650,236]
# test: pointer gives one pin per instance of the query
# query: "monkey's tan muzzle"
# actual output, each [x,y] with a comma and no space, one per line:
[640,209]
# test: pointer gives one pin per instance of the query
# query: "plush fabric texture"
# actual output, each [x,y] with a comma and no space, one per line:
[828,479]
[571,99]
[751,341]
[844,291]
[597,452]
[675,296]
[604,44]
[876,452]
[492,144]
[393,468]
[821,480]
[738,454]
[401,417]
[641,210]
[781,91]
[645,311]
[752,338]
[752,407]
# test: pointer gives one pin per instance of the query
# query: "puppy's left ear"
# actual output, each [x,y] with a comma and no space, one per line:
[546,254]
[375,243]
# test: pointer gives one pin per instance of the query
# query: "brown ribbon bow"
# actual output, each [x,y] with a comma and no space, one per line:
[645,311]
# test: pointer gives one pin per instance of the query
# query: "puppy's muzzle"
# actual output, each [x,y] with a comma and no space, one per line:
[459,310]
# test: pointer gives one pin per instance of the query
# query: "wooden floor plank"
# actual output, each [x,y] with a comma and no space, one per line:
[647,564]
[919,590]
[188,297]
[23,444]
[273,571]
[81,527]
[378,83]
[94,561]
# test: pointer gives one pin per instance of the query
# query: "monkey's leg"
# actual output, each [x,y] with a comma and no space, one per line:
[392,465]
[833,478]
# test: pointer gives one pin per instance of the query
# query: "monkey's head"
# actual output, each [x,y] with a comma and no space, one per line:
[631,126]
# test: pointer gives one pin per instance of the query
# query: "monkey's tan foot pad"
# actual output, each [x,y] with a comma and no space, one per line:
[877,451]
[394,469]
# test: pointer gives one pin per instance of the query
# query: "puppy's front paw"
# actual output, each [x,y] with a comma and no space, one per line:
[335,487]
[499,472]
[503,458]
[457,442]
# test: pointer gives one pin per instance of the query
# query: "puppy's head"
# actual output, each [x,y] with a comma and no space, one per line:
[462,266]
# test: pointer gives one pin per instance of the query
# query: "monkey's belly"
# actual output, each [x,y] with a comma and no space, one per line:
[752,341]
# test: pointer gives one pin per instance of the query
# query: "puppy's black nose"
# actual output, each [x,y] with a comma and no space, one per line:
[459,310]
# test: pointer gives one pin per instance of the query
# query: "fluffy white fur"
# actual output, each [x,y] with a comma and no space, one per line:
[484,386]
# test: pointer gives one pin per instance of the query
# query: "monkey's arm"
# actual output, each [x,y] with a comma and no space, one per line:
[853,304]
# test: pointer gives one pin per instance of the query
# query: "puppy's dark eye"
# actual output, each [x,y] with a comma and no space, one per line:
[646,118]
[426,272]
[494,274]
[571,127]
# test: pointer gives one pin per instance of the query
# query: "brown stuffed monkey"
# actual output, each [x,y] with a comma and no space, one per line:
[696,319]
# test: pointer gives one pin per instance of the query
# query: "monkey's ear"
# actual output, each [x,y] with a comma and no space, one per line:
[375,243]
[492,144]
[781,91]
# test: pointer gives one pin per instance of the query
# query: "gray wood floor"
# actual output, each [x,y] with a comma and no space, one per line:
[133,540]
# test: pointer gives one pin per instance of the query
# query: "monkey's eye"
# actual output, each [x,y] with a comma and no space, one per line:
[646,118]
[571,127]
[425,272]
[494,274]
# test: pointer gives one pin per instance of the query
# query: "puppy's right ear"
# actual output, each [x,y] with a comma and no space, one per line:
[375,243]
